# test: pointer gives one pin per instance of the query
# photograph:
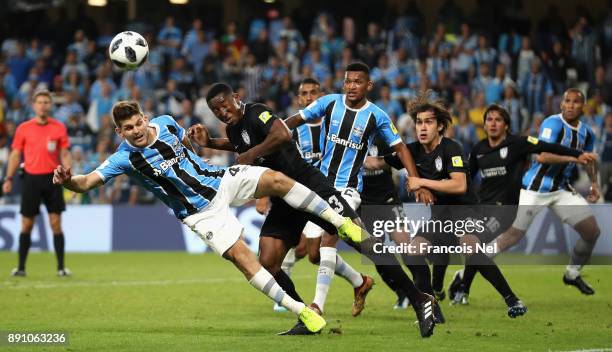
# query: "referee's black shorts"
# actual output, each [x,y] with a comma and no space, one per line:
[286,223]
[40,188]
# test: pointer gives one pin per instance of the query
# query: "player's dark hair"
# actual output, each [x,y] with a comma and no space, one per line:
[309,80]
[427,101]
[358,67]
[124,110]
[501,110]
[577,91]
[216,89]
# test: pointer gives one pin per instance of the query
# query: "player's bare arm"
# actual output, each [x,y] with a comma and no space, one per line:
[13,163]
[78,183]
[277,136]
[199,134]
[294,121]
[592,170]
[457,184]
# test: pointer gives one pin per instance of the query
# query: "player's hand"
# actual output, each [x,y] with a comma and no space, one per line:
[423,195]
[413,183]
[586,157]
[61,175]
[199,134]
[245,158]
[7,186]
[261,205]
[594,194]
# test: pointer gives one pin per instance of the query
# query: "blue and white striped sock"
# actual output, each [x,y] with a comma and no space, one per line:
[264,282]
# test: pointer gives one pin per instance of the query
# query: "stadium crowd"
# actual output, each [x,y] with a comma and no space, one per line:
[467,65]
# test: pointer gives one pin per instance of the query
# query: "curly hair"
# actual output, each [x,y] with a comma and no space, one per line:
[428,101]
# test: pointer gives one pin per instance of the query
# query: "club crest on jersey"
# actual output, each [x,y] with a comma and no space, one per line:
[176,145]
[245,137]
[358,131]
[209,235]
[439,163]
[503,152]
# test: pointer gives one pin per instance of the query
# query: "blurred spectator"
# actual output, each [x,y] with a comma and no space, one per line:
[525,59]
[79,46]
[584,49]
[79,132]
[9,84]
[69,108]
[170,101]
[20,65]
[465,132]
[186,118]
[169,38]
[606,158]
[476,113]
[536,90]
[390,106]
[373,45]
[519,122]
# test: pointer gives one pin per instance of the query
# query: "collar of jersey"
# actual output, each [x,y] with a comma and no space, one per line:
[156,126]
[365,106]
[570,126]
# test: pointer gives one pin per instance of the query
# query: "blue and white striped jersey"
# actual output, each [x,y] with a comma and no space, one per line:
[545,178]
[307,137]
[346,135]
[176,175]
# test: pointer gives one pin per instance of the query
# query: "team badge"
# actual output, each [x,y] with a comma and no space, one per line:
[176,145]
[358,131]
[457,161]
[265,116]
[534,140]
[373,150]
[209,235]
[245,137]
[503,152]
[439,163]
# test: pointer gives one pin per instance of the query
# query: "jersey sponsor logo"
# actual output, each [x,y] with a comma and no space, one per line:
[457,161]
[534,140]
[312,155]
[503,152]
[343,142]
[166,164]
[439,163]
[245,137]
[493,172]
[546,133]
[265,116]
[393,129]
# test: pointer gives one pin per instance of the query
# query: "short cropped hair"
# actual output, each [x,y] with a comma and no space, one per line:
[124,110]
[216,89]
[577,91]
[358,67]
[42,93]
[309,80]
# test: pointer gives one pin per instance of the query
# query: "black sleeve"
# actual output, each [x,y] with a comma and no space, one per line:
[262,118]
[453,157]
[295,137]
[393,160]
[473,162]
[529,145]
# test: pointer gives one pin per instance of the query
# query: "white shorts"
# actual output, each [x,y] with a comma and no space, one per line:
[216,224]
[569,207]
[352,197]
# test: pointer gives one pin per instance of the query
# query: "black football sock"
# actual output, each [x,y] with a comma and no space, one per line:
[25,241]
[284,281]
[388,279]
[468,277]
[59,244]
[420,272]
[489,270]
[438,272]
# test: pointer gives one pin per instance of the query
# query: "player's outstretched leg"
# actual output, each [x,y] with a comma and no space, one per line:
[261,279]
[589,233]
[298,196]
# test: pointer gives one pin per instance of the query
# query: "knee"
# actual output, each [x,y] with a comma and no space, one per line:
[279,183]
[314,258]
[27,225]
[271,265]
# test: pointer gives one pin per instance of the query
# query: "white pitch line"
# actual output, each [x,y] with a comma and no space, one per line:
[606,349]
[11,285]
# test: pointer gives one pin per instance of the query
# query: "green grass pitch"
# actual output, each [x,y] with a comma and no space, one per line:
[170,301]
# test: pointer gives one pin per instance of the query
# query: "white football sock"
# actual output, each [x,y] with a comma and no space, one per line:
[288,262]
[302,198]
[343,269]
[264,282]
[327,266]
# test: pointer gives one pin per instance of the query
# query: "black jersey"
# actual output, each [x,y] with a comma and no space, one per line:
[378,186]
[501,167]
[253,129]
[447,157]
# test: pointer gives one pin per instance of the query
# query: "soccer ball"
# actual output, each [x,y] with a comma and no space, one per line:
[128,50]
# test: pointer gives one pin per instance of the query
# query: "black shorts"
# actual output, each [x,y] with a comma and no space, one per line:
[286,223]
[40,188]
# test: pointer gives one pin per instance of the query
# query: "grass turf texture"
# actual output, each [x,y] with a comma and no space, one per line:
[179,302]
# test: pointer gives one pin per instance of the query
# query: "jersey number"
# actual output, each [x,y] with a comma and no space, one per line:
[335,204]
[234,170]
